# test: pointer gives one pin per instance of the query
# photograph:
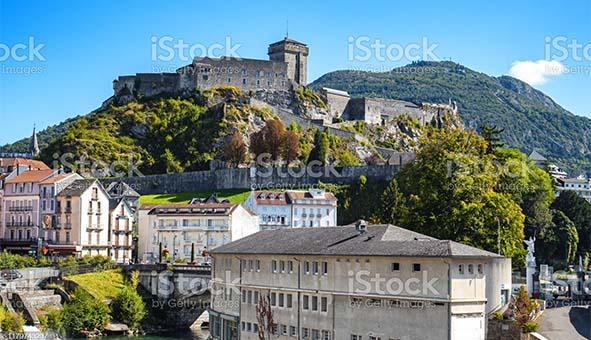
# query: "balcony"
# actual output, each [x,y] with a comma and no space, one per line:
[18,242]
[20,224]
[17,209]
[68,210]
[96,227]
[68,225]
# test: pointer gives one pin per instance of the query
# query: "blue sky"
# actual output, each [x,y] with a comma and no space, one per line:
[81,47]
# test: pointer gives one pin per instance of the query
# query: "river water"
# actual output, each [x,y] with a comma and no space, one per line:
[193,334]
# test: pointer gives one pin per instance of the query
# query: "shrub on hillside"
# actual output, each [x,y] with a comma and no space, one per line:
[11,322]
[84,314]
[51,318]
[128,308]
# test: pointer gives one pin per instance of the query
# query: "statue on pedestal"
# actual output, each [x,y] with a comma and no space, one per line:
[530,268]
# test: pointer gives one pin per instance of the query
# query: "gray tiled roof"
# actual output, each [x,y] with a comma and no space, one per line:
[377,240]
[77,187]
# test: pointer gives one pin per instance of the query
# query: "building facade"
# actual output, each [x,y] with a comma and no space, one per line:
[291,209]
[121,224]
[186,230]
[21,210]
[355,282]
[82,211]
[580,185]
[48,190]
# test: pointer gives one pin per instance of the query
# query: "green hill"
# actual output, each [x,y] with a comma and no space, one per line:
[531,119]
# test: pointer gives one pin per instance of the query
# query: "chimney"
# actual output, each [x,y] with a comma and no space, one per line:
[361,226]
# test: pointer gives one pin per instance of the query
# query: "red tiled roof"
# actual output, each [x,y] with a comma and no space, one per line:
[31,176]
[270,197]
[305,195]
[35,164]
[55,179]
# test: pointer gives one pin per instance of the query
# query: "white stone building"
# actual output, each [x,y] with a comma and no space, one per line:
[356,282]
[580,185]
[182,229]
[278,209]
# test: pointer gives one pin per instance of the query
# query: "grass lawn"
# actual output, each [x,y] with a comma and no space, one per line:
[104,285]
[233,195]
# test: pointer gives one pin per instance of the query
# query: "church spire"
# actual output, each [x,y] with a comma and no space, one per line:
[34,147]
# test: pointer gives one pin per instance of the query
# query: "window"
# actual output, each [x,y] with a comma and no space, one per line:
[281,300]
[305,302]
[315,303]
[323,304]
[282,266]
[315,267]
[480,269]
[283,329]
[274,266]
[471,269]
[305,333]
[324,268]
[273,299]
[395,266]
[372,337]
[289,300]
[258,265]
[255,328]
[315,334]
[256,297]
[461,269]
[290,267]
[307,267]
[416,267]
[293,331]
[356,337]
[249,296]
[243,80]
[325,335]
[243,264]
[274,330]
[243,325]
[248,326]
[250,266]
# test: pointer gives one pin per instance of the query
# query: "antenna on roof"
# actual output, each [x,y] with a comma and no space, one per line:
[286,28]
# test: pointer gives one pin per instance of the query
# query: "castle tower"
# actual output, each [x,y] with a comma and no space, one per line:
[295,54]
[34,147]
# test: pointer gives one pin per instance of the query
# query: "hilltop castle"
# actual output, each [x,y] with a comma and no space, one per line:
[286,68]
[273,82]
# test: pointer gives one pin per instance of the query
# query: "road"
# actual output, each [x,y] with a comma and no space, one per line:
[566,322]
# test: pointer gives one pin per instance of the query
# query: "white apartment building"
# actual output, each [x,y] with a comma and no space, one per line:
[121,222]
[580,185]
[183,229]
[355,282]
[276,209]
[82,211]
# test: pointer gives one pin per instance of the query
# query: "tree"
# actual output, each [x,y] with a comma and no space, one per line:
[270,139]
[321,147]
[291,148]
[264,316]
[492,136]
[128,307]
[450,189]
[84,314]
[393,205]
[578,210]
[235,151]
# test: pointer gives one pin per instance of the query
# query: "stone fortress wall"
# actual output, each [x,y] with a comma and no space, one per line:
[286,68]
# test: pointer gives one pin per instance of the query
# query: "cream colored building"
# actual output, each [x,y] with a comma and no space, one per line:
[185,228]
[356,282]
[121,222]
[83,219]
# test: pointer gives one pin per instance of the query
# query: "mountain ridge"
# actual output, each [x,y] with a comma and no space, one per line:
[532,120]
